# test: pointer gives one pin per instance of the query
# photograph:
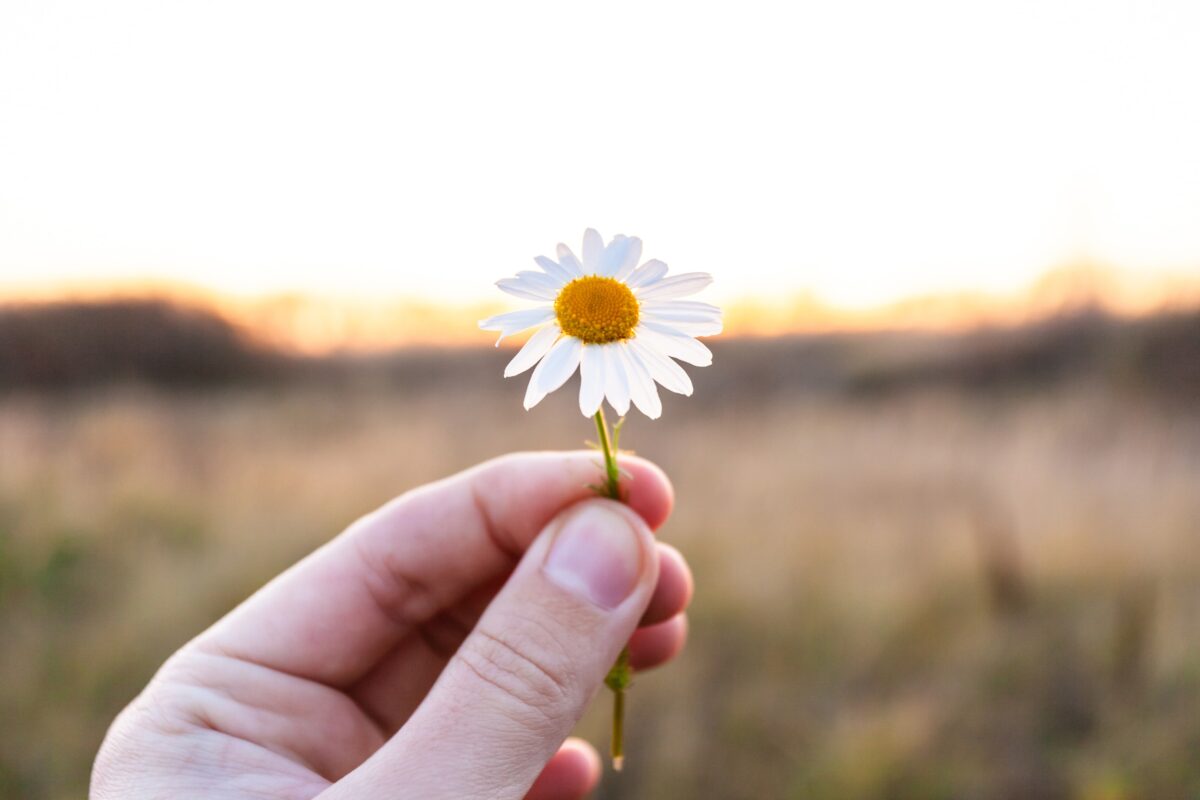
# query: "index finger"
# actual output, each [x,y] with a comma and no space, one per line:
[333,615]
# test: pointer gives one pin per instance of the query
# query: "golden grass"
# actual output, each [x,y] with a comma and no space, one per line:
[924,595]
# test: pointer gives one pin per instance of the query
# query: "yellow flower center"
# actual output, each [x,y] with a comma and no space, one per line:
[597,310]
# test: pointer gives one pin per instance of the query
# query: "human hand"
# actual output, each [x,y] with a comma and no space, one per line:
[442,646]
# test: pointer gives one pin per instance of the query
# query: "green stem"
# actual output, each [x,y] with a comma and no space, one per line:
[621,674]
[612,476]
[618,728]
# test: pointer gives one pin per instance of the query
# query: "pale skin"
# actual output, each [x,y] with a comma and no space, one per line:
[444,645]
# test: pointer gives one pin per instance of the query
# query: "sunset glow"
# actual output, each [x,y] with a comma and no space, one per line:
[366,157]
[314,323]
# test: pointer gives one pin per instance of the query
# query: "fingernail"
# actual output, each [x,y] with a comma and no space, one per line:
[595,555]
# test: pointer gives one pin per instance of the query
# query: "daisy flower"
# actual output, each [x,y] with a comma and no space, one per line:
[621,324]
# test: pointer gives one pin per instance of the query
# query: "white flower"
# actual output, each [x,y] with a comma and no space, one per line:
[621,324]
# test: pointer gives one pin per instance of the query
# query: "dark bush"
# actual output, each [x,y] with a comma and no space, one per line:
[67,344]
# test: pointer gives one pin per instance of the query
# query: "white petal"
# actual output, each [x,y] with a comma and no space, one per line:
[662,369]
[698,319]
[675,344]
[556,271]
[616,382]
[514,287]
[591,379]
[676,286]
[683,305]
[642,390]
[517,321]
[632,255]
[553,370]
[540,279]
[521,286]
[677,315]
[691,327]
[611,255]
[620,256]
[593,248]
[647,274]
[569,262]
[537,346]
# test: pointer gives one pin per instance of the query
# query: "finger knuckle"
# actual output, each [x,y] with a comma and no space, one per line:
[525,663]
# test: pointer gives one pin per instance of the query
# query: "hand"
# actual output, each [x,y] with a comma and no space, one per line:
[442,646]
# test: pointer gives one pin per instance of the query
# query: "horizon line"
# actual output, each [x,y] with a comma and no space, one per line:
[314,323]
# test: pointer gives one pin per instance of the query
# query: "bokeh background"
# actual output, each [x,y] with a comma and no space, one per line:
[940,487]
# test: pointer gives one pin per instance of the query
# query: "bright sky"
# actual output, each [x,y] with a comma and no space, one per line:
[862,150]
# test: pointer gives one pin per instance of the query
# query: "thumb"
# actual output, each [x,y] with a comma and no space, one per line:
[524,676]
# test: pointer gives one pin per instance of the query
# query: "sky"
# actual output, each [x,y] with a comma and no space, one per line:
[859,151]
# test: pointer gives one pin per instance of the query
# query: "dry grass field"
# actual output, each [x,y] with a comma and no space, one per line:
[952,587]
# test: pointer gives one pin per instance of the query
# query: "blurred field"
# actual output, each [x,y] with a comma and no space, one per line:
[928,566]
